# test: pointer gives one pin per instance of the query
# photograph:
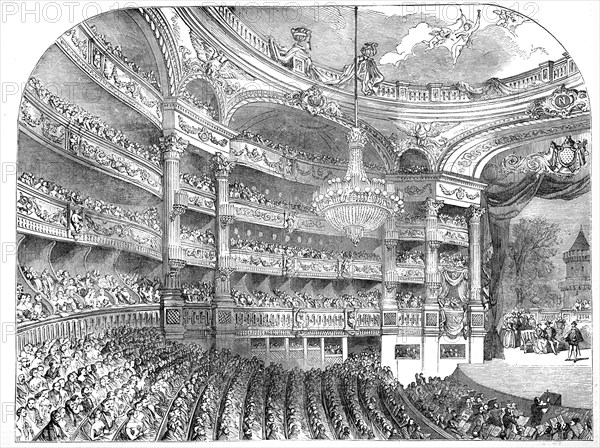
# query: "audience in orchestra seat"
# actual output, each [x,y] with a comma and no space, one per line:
[468,414]
[125,384]
[259,246]
[148,217]
[202,182]
[282,299]
[80,118]
[112,385]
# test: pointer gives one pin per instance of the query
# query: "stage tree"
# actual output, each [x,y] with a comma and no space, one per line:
[533,244]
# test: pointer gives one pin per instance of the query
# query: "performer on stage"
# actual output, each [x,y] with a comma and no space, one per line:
[551,337]
[573,338]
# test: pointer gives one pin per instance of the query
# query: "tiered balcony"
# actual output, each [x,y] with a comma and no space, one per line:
[91,52]
[53,130]
[49,217]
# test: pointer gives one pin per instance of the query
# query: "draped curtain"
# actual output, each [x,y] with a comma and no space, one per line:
[504,202]
[456,278]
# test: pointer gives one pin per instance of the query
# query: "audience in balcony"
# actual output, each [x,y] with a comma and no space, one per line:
[147,289]
[201,182]
[80,118]
[197,236]
[456,220]
[468,414]
[299,154]
[148,217]
[238,190]
[118,53]
[198,292]
[408,299]
[411,257]
[300,252]
[282,299]
[29,308]
[453,260]
[69,294]
[203,106]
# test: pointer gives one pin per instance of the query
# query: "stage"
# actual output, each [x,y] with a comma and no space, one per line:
[510,381]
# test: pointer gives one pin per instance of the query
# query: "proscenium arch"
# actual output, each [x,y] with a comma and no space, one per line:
[378,141]
[476,150]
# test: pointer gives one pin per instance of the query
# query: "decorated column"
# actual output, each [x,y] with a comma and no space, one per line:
[477,316]
[389,307]
[174,204]
[223,305]
[433,283]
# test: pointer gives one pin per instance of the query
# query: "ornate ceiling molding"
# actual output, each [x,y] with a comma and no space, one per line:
[380,143]
[470,159]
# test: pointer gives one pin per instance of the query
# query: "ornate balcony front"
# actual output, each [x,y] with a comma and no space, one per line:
[49,217]
[54,131]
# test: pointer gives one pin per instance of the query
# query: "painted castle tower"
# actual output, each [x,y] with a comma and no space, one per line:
[577,287]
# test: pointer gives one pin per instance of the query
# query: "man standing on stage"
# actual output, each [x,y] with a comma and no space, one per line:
[551,337]
[573,338]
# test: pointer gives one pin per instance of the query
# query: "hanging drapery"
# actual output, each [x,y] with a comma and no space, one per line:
[458,279]
[367,71]
[504,202]
[454,323]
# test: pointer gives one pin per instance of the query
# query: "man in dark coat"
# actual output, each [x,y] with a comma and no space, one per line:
[573,338]
[537,411]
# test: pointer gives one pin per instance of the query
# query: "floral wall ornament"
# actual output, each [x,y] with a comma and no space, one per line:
[561,103]
[564,160]
[203,133]
[314,102]
[415,190]
[459,192]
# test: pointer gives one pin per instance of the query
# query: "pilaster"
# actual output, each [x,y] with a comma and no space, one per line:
[223,305]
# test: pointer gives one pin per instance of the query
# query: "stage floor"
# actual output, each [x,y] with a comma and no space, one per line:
[529,380]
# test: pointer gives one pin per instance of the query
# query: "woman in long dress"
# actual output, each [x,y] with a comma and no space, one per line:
[509,338]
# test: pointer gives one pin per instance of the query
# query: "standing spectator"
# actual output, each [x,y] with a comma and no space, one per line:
[573,338]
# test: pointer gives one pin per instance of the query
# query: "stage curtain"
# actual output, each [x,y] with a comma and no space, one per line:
[504,202]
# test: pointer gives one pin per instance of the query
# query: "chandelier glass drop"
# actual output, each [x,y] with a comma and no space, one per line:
[354,204]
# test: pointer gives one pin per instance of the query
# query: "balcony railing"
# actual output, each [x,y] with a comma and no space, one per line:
[54,131]
[43,215]
[79,324]
[545,73]
[84,48]
[293,266]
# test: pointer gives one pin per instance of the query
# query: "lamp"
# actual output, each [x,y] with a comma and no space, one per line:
[354,204]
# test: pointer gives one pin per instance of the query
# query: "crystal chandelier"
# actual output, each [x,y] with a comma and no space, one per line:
[355,204]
